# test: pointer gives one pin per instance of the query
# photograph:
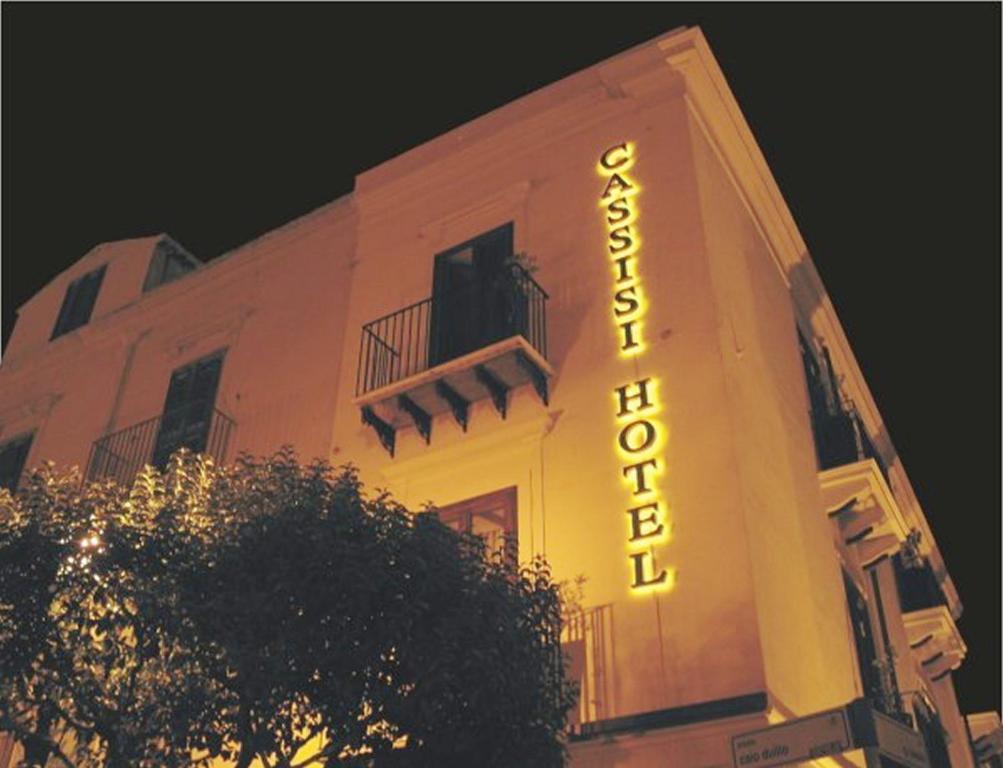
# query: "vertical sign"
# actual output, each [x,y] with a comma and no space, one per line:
[640,436]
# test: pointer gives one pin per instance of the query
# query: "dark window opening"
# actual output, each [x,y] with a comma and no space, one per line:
[13,455]
[492,517]
[168,263]
[863,636]
[918,586]
[78,304]
[930,727]
[188,408]
[478,297]
[839,432]
[890,702]
[819,392]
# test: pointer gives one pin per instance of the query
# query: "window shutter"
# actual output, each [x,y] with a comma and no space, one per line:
[188,408]
[13,455]
[78,304]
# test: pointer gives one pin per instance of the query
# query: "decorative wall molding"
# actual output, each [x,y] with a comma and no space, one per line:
[37,408]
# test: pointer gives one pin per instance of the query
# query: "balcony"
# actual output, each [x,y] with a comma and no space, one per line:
[840,436]
[918,586]
[450,350]
[587,644]
[120,455]
[840,439]
[934,640]
[866,517]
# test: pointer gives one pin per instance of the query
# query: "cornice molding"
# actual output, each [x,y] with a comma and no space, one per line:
[440,232]
[508,439]
[35,407]
[456,164]
[633,81]
[220,329]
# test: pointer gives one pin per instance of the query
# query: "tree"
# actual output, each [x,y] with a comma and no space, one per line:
[94,670]
[268,611]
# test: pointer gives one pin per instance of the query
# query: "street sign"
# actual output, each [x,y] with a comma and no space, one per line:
[855,726]
[901,744]
[806,738]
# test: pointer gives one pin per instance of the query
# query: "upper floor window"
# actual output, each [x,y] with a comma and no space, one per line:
[168,263]
[13,455]
[492,517]
[188,408]
[79,302]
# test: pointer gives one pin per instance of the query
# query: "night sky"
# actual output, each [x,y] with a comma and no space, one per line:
[881,125]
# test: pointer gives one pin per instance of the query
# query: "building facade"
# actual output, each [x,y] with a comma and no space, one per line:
[986,733]
[586,320]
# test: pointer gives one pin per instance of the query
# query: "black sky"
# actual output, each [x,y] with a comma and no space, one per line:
[880,123]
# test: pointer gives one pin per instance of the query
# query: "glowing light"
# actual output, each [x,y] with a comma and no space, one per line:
[660,586]
[640,435]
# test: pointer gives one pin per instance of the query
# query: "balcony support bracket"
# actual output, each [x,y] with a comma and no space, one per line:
[385,432]
[537,376]
[458,404]
[420,417]
[495,387]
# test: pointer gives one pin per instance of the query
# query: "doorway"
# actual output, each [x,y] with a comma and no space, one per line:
[473,302]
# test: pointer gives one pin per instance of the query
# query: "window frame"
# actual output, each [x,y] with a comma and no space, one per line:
[73,313]
[459,322]
[163,253]
[24,438]
[170,440]
[505,499]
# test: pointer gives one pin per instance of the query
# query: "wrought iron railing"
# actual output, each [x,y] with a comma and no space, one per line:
[918,585]
[587,645]
[446,326]
[120,455]
[841,438]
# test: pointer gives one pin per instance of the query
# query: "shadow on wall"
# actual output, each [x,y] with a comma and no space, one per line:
[588,754]
[569,307]
[806,286]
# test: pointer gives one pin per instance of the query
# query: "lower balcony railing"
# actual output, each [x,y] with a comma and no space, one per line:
[120,455]
[587,644]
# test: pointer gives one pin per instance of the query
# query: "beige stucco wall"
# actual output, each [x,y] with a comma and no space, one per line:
[275,305]
[799,592]
[757,602]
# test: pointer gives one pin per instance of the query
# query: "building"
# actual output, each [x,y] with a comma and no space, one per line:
[659,398]
[987,739]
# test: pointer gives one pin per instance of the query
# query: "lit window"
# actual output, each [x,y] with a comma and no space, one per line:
[78,302]
[13,455]
[492,517]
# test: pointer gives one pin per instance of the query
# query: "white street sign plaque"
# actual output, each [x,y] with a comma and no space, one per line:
[806,738]
[900,743]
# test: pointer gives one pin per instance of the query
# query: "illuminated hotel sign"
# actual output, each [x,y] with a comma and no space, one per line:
[640,437]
